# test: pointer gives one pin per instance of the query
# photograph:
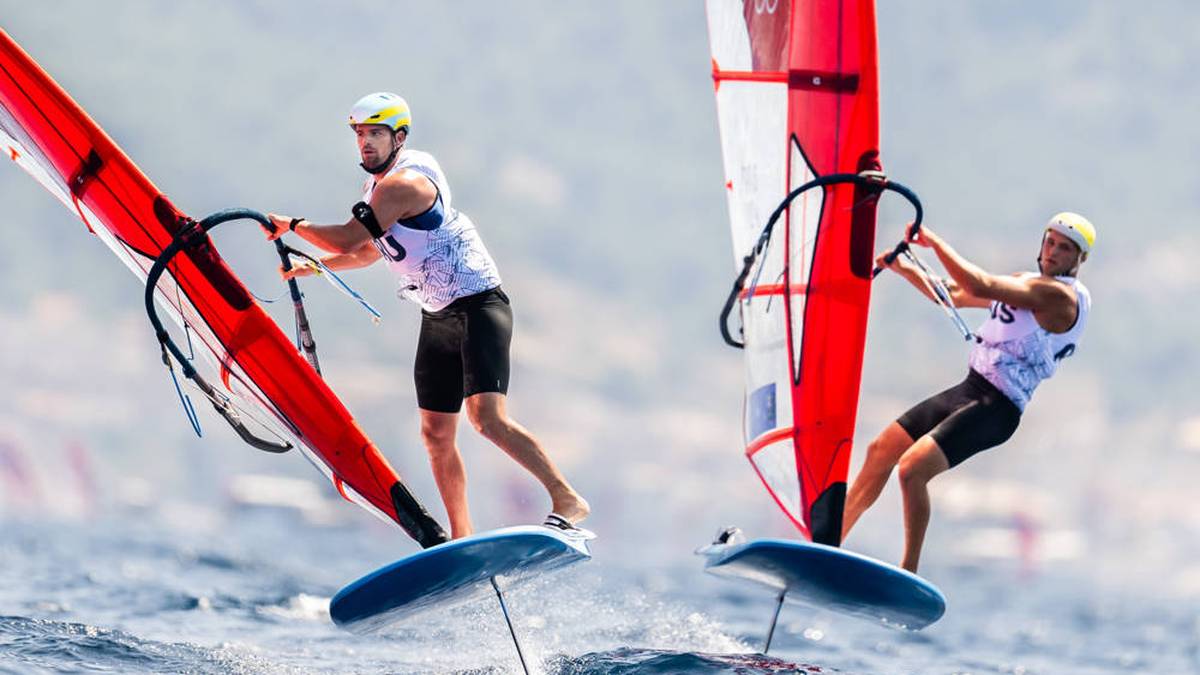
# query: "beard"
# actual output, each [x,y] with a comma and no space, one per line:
[383,165]
[1069,271]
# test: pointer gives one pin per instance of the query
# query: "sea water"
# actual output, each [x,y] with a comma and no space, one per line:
[199,590]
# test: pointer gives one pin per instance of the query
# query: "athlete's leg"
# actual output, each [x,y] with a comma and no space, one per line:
[882,455]
[437,375]
[488,414]
[918,466]
[438,431]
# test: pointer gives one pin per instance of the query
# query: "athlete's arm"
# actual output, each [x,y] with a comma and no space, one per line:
[902,266]
[401,195]
[962,298]
[911,273]
[344,238]
[1038,294]
[360,257]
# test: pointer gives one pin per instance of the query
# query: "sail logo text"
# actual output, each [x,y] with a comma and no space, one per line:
[768,6]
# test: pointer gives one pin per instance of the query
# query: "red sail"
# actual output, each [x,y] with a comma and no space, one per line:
[45,132]
[797,98]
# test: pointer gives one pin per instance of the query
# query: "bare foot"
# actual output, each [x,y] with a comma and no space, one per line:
[573,508]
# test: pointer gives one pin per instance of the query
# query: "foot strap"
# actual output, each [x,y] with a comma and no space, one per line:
[557,522]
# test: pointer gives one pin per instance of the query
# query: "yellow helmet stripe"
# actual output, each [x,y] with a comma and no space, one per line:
[400,112]
[1076,228]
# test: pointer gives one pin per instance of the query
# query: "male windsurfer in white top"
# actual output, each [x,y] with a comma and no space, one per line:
[1036,320]
[406,217]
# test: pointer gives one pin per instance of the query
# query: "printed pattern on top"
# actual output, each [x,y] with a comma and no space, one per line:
[435,267]
[1016,354]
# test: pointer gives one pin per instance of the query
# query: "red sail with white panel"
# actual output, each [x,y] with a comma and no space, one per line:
[48,135]
[797,98]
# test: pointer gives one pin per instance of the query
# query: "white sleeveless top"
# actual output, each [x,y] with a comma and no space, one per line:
[1015,354]
[434,267]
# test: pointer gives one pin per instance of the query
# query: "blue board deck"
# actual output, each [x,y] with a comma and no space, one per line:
[453,572]
[831,578]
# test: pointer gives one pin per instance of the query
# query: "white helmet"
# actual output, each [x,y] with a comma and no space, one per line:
[1074,227]
[383,108]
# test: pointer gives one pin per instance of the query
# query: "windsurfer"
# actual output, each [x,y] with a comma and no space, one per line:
[406,217]
[1036,320]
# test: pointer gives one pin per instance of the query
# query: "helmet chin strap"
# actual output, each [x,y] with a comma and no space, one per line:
[382,166]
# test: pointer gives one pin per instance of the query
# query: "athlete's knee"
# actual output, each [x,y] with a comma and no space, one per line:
[883,453]
[879,451]
[909,472]
[438,438]
[489,423]
[918,468]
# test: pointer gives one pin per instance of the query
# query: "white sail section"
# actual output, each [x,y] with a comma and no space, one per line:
[752,108]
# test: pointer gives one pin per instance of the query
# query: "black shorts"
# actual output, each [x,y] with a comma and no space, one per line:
[463,351]
[965,419]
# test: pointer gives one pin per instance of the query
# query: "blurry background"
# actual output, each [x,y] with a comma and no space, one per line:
[582,140]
